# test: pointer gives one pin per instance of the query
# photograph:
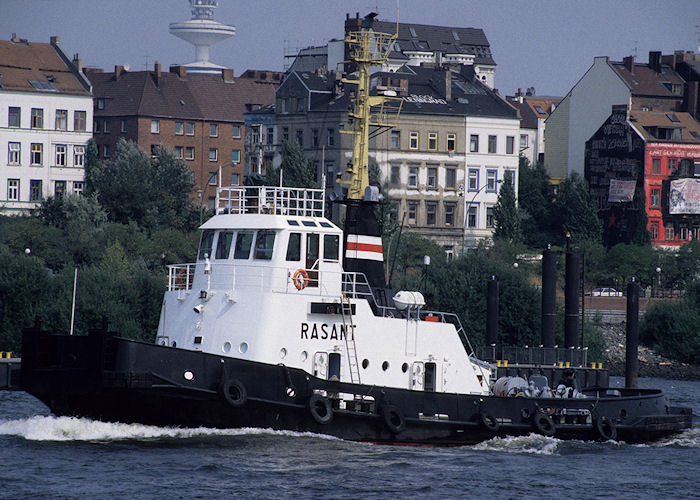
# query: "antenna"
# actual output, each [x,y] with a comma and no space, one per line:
[634,49]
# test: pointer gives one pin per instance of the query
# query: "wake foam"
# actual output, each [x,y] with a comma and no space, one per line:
[535,444]
[50,428]
[689,438]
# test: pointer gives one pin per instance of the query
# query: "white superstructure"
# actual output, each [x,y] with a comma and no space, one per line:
[268,286]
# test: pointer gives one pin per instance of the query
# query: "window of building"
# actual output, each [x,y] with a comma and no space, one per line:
[123,127]
[180,128]
[492,144]
[330,173]
[100,103]
[300,105]
[155,126]
[395,139]
[61,155]
[510,144]
[413,177]
[432,141]
[13,189]
[683,233]
[106,152]
[106,127]
[236,131]
[189,153]
[300,137]
[189,128]
[212,179]
[412,212]
[79,156]
[523,141]
[672,165]
[270,135]
[213,154]
[670,233]
[395,175]
[432,177]
[450,214]
[179,152]
[491,180]
[213,130]
[655,166]
[449,252]
[474,143]
[654,230]
[471,216]
[314,137]
[37,118]
[331,137]
[489,217]
[235,156]
[450,177]
[510,174]
[14,115]
[14,153]
[430,213]
[413,140]
[655,197]
[35,193]
[59,189]
[473,181]
[37,154]
[451,142]
[78,187]
[96,126]
[61,119]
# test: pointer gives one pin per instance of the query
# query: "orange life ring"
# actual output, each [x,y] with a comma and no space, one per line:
[181,278]
[300,279]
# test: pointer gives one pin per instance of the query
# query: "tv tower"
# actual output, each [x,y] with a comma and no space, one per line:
[202,32]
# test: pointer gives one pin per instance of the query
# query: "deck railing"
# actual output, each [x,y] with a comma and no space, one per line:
[270,200]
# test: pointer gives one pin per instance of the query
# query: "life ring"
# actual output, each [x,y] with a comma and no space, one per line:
[300,279]
[321,409]
[181,278]
[233,392]
[606,428]
[489,421]
[544,424]
[525,413]
[393,418]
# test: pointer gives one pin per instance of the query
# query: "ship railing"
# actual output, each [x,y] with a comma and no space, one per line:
[356,286]
[536,355]
[180,276]
[270,200]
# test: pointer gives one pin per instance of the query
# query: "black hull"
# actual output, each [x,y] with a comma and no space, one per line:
[112,379]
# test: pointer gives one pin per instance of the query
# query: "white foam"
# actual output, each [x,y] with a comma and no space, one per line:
[50,428]
[689,438]
[533,443]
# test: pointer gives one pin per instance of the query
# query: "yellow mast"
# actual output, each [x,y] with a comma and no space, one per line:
[367,48]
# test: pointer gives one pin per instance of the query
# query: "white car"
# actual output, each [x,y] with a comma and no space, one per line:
[605,292]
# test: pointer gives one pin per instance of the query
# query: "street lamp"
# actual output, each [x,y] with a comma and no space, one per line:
[468,206]
[658,282]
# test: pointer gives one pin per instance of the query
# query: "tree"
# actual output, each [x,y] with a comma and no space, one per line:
[505,213]
[297,169]
[536,201]
[577,210]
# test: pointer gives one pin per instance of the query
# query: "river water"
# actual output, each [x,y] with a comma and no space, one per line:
[47,457]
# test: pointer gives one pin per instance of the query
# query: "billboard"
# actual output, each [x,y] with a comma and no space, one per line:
[621,191]
[684,196]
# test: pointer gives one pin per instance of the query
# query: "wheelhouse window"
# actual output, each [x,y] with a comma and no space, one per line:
[264,244]
[294,247]
[244,240]
[223,245]
[331,247]
[205,244]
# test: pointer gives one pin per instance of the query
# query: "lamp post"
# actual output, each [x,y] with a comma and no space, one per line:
[468,206]
[658,282]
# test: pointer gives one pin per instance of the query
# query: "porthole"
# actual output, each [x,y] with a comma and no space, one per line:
[404,367]
[188,375]
[304,355]
[365,363]
[226,347]
[385,365]
[283,353]
[243,348]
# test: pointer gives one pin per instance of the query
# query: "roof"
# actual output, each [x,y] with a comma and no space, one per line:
[528,118]
[38,67]
[688,126]
[445,39]
[196,97]
[646,81]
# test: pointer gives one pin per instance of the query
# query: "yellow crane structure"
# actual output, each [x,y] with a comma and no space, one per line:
[367,48]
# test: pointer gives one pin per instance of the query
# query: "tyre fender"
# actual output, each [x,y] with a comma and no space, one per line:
[393,419]
[544,424]
[233,392]
[321,409]
[606,428]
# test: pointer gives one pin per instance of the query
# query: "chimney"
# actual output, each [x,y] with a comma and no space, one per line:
[55,40]
[118,71]
[227,75]
[180,71]
[14,38]
[655,61]
[629,63]
[77,63]
[156,73]
[447,84]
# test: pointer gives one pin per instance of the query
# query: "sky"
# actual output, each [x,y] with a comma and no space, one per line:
[545,44]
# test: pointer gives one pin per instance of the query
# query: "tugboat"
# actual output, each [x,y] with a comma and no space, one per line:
[285,322]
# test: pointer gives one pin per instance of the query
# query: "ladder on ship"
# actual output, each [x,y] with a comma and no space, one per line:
[349,326]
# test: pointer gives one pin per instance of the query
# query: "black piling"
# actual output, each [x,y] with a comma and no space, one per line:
[571,299]
[632,341]
[492,312]
[549,292]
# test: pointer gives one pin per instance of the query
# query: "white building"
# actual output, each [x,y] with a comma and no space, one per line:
[45,124]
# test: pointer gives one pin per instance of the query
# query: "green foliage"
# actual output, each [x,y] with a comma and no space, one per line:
[536,202]
[297,169]
[505,213]
[577,211]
